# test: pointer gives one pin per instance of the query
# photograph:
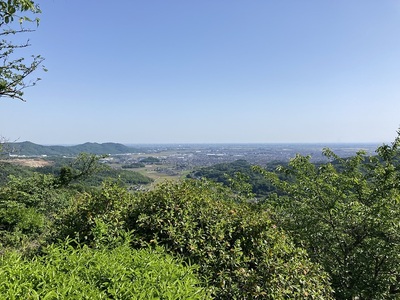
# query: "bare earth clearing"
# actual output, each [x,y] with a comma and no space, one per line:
[29,162]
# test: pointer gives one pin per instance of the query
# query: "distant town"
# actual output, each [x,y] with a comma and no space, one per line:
[173,160]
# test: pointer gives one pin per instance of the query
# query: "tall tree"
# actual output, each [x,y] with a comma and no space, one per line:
[347,215]
[15,70]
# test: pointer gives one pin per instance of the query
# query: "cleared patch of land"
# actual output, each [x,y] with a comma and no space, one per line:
[29,162]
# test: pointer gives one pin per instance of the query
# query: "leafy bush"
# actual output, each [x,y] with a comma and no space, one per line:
[97,218]
[83,273]
[346,214]
[239,250]
[27,209]
[36,191]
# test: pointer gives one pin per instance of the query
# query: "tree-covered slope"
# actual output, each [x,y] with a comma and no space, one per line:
[32,149]
[225,172]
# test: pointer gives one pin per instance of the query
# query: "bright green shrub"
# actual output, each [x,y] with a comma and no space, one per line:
[346,214]
[97,218]
[65,272]
[20,227]
[239,250]
[27,209]
[36,191]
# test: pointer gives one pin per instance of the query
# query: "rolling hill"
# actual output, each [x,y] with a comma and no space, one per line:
[32,149]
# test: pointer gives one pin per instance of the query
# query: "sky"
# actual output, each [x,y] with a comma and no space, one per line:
[212,71]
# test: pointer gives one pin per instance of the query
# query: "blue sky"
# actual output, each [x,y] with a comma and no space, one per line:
[212,71]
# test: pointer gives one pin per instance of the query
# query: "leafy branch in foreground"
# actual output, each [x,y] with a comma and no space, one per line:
[14,70]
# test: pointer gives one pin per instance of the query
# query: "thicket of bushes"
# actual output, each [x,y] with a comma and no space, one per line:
[330,231]
[238,251]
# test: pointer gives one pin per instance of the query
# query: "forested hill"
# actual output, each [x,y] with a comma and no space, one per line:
[31,149]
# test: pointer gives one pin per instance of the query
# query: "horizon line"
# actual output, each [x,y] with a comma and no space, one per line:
[203,143]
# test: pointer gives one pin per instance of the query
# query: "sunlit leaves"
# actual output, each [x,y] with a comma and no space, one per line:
[346,213]
[64,272]
[242,253]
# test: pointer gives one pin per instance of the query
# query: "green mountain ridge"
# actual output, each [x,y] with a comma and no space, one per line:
[31,149]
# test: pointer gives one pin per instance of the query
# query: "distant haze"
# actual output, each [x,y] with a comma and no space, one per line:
[193,154]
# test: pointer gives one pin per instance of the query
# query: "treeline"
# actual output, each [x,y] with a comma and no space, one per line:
[227,174]
[93,177]
[32,149]
[326,231]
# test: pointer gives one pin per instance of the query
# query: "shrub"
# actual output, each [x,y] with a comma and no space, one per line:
[27,209]
[96,218]
[65,272]
[37,191]
[238,248]
[346,215]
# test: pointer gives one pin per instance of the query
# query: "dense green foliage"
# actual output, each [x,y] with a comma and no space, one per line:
[346,214]
[97,218]
[7,169]
[328,231]
[30,209]
[65,272]
[27,210]
[30,202]
[241,252]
